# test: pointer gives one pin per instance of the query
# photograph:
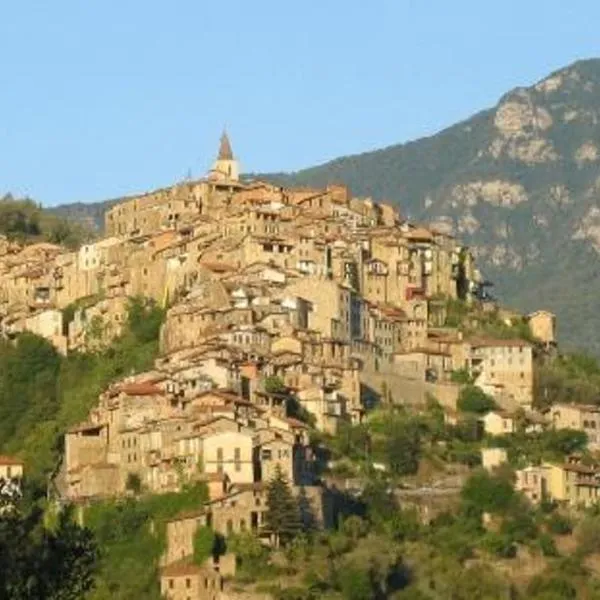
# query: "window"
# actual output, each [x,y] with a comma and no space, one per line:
[188,583]
[171,583]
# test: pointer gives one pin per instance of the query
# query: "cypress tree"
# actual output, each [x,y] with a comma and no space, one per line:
[282,518]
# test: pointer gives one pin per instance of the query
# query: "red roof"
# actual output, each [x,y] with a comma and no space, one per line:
[10,460]
[296,423]
[180,569]
[143,388]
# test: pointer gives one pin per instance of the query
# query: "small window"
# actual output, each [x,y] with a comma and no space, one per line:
[188,583]
[171,584]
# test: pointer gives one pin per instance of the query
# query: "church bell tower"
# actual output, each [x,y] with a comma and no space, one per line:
[226,167]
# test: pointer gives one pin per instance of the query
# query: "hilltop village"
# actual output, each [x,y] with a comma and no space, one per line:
[287,310]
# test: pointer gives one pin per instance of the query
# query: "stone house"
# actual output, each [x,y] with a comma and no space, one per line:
[502,368]
[493,457]
[543,327]
[187,581]
[230,452]
[580,417]
[532,482]
[498,422]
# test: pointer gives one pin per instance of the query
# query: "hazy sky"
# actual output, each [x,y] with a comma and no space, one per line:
[100,98]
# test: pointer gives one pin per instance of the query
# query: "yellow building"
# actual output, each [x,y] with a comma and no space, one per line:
[573,483]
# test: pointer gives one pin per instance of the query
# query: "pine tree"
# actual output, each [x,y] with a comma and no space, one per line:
[282,518]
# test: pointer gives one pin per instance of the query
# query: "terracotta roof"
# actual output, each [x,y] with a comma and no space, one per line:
[296,423]
[217,267]
[492,343]
[419,233]
[181,569]
[84,427]
[9,460]
[143,388]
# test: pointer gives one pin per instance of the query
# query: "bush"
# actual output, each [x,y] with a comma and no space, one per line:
[588,535]
[559,524]
[204,544]
[550,588]
[474,400]
[356,583]
[547,545]
[355,528]
[487,493]
[499,545]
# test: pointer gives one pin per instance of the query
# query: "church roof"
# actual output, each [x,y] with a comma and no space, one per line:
[225,152]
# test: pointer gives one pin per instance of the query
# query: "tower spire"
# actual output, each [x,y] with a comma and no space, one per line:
[225,152]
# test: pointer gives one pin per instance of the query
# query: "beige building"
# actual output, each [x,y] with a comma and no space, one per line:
[503,369]
[491,458]
[498,423]
[580,417]
[532,482]
[543,326]
[187,581]
[229,452]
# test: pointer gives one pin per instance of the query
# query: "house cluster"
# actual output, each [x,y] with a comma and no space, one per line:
[280,302]
[574,482]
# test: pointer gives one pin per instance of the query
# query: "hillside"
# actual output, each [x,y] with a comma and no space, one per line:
[519,182]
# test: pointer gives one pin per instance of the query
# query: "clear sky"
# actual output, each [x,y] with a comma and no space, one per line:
[100,98]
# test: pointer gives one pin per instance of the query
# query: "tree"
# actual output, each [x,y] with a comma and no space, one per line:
[565,441]
[274,385]
[204,544]
[282,517]
[473,399]
[144,318]
[487,493]
[403,449]
[36,562]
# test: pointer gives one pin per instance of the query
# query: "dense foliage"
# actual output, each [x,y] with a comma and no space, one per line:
[36,561]
[26,221]
[43,393]
[131,535]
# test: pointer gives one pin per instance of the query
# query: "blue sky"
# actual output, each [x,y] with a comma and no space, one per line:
[104,98]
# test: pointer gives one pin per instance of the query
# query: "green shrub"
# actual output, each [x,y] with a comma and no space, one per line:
[499,545]
[547,545]
[559,524]
[204,544]
[474,400]
[488,493]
